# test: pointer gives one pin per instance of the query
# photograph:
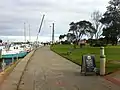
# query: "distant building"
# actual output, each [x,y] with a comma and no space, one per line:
[82,42]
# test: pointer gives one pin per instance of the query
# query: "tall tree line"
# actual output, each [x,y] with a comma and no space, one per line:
[106,25]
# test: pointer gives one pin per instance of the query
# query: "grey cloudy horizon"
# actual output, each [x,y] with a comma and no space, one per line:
[15,12]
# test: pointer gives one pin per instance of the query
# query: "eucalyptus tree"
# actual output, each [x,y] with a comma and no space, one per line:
[85,28]
[111,20]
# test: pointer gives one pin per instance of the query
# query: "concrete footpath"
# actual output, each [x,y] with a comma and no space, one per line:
[13,80]
[114,77]
[49,71]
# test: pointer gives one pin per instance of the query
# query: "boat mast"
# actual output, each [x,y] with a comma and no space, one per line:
[29,34]
[24,32]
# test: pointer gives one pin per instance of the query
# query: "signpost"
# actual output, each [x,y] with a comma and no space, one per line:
[88,64]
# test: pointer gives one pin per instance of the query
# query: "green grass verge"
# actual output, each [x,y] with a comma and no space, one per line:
[112,53]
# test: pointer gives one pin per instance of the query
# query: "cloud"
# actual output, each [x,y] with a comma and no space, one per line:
[15,12]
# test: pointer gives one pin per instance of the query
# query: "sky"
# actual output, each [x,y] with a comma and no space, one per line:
[14,13]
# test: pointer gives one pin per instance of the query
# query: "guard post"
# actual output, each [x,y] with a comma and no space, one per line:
[3,65]
[102,61]
[17,56]
[12,59]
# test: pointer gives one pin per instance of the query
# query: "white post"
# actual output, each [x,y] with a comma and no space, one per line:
[3,65]
[12,60]
[102,61]
[102,51]
[17,56]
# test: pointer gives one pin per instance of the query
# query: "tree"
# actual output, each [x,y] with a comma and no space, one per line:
[85,28]
[0,41]
[81,28]
[62,37]
[96,16]
[111,20]
[73,28]
[70,37]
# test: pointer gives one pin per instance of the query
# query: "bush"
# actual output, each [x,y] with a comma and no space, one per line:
[97,43]
[65,42]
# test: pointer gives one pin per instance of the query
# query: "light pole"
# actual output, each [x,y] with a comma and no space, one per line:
[29,34]
[53,34]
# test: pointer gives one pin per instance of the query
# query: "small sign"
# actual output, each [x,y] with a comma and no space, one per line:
[88,63]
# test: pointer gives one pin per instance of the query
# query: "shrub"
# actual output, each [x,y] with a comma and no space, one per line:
[65,42]
[97,43]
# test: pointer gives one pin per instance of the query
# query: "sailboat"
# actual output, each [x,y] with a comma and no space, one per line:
[14,51]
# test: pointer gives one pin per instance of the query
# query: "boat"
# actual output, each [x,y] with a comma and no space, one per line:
[15,51]
[12,54]
[27,47]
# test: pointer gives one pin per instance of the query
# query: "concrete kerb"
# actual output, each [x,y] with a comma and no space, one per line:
[24,69]
[7,71]
[13,83]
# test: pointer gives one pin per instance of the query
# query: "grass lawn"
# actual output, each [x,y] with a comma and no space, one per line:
[112,54]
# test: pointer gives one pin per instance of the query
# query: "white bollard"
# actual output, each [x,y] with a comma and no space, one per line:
[12,60]
[17,56]
[102,51]
[3,65]
[102,61]
[102,65]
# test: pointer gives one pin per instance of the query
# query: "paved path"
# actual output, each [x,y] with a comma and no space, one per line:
[12,81]
[49,71]
[114,77]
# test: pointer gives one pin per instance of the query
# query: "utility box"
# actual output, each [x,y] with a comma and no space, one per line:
[88,64]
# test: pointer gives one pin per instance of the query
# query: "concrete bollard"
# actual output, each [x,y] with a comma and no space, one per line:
[102,61]
[17,56]
[3,65]
[102,51]
[12,60]
[102,65]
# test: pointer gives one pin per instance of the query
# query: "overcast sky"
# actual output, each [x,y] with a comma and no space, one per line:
[13,14]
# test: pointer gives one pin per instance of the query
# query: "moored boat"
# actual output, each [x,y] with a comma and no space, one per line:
[14,52]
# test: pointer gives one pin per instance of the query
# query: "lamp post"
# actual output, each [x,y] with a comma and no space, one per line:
[53,34]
